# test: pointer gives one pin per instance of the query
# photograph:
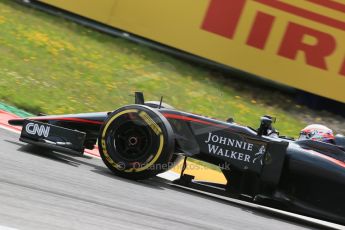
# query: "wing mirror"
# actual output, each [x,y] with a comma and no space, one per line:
[139,98]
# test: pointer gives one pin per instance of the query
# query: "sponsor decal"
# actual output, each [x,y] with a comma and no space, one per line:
[239,149]
[223,18]
[298,43]
[39,130]
[260,155]
[150,122]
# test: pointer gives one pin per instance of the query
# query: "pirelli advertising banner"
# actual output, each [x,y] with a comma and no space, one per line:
[300,43]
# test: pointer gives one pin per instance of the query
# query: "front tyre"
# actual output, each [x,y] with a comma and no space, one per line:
[136,142]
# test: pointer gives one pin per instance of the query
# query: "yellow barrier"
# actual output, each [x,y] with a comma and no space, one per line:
[201,173]
[293,42]
[99,10]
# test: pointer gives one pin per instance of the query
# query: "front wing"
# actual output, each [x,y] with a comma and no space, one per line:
[53,137]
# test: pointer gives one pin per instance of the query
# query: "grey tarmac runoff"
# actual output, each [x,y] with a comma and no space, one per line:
[41,189]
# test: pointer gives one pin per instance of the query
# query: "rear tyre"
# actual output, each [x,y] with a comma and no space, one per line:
[136,142]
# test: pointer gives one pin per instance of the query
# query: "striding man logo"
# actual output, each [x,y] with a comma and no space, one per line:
[259,156]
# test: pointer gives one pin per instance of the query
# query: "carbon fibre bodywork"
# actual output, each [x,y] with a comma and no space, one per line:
[302,176]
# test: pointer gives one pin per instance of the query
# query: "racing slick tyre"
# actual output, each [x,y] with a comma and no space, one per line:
[136,142]
[176,158]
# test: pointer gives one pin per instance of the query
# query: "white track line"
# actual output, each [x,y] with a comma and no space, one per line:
[295,216]
[9,129]
[7,228]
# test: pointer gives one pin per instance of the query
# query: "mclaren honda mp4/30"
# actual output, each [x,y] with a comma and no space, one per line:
[144,139]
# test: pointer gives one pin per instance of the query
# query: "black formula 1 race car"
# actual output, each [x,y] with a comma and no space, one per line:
[142,140]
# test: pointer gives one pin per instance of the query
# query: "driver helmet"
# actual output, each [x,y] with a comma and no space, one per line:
[317,132]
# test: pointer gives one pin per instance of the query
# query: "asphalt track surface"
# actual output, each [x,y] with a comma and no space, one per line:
[41,189]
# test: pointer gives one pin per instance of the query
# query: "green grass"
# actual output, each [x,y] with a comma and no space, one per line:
[54,66]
